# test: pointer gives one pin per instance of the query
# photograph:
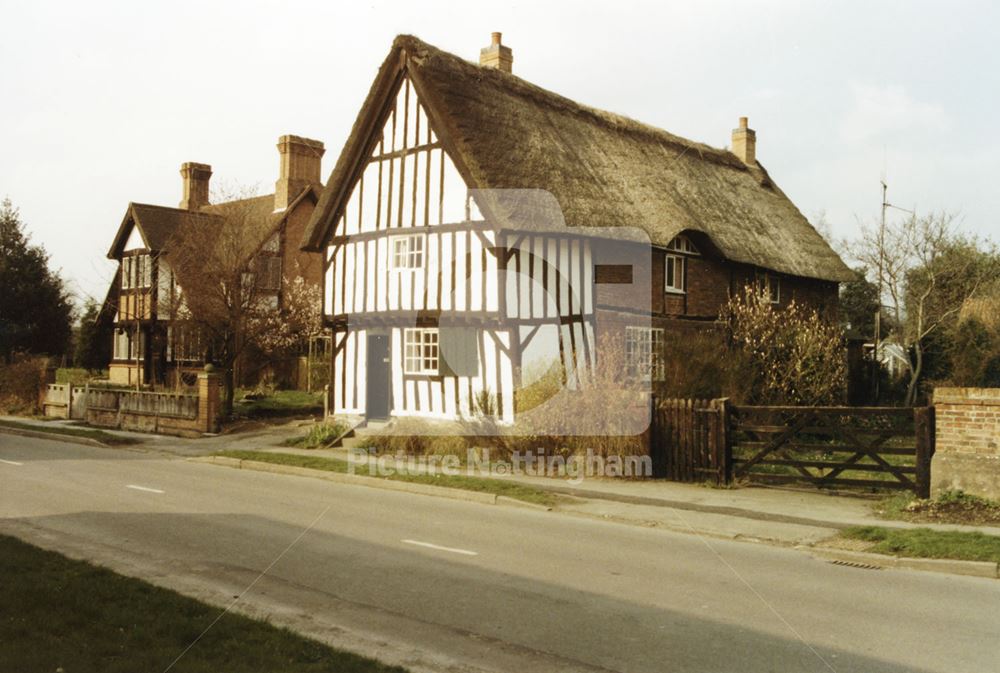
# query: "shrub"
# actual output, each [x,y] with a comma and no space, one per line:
[419,437]
[546,382]
[700,365]
[21,385]
[794,355]
[605,414]
[77,375]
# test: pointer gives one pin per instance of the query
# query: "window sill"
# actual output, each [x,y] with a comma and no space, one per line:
[422,376]
[675,292]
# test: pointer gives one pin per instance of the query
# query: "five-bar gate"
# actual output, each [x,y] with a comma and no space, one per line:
[827,447]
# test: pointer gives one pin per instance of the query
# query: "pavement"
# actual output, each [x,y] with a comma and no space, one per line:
[446,585]
[774,515]
[252,437]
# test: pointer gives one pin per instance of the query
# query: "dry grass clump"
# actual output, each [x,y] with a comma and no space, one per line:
[419,437]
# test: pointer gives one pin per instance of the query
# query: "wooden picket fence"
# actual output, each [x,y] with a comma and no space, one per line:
[827,447]
[689,440]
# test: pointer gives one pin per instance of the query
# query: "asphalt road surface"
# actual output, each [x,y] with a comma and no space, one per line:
[444,585]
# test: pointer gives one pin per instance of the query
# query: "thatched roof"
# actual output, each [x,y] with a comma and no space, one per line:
[603,169]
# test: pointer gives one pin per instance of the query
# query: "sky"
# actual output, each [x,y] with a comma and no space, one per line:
[101,102]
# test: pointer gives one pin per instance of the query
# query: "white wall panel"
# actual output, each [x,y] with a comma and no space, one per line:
[459,290]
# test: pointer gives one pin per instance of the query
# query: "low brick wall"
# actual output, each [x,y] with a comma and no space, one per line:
[162,413]
[967,454]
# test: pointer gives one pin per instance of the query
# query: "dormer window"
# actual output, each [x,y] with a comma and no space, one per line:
[682,244]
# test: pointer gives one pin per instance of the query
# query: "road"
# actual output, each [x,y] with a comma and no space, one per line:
[444,585]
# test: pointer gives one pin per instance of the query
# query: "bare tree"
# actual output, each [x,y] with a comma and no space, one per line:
[929,271]
[221,293]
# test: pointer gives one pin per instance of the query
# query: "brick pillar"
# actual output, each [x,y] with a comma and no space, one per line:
[967,451]
[209,396]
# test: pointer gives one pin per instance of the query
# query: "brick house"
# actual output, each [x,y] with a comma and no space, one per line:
[150,344]
[473,211]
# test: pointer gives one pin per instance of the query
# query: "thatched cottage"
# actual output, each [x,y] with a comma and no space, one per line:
[476,224]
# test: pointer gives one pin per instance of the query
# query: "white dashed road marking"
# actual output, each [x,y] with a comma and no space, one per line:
[143,488]
[10,462]
[453,550]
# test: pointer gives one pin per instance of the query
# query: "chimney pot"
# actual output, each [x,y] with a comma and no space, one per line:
[745,143]
[496,55]
[300,167]
[195,179]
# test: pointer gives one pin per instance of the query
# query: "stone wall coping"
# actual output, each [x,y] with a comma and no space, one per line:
[968,396]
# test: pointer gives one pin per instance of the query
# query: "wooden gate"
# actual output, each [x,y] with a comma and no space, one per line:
[689,440]
[869,447]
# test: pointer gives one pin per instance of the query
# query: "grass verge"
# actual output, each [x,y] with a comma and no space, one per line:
[948,507]
[506,488]
[927,543]
[280,403]
[86,433]
[61,614]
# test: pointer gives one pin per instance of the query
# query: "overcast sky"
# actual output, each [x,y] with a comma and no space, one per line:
[100,102]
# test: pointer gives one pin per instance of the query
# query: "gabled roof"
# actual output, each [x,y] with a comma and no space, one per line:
[604,169]
[158,224]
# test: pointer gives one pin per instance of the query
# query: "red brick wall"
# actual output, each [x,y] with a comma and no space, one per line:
[710,280]
[968,420]
[295,262]
[967,453]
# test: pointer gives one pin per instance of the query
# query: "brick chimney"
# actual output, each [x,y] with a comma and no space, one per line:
[300,167]
[745,143]
[195,179]
[496,55]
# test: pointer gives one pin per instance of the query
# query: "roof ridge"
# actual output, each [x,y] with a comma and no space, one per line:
[617,121]
[156,205]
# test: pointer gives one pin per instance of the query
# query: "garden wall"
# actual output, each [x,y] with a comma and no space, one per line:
[184,415]
[967,455]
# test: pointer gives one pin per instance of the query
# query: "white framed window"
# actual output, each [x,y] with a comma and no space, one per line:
[127,346]
[644,353]
[268,272]
[127,272]
[184,343]
[408,251]
[682,244]
[121,351]
[420,351]
[137,272]
[675,274]
[145,274]
[770,285]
